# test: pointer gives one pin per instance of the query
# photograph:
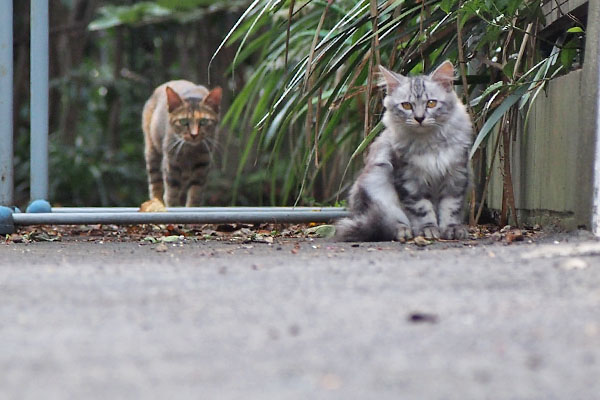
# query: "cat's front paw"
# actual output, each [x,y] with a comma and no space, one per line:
[455,232]
[403,233]
[428,232]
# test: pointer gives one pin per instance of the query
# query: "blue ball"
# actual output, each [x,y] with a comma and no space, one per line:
[39,206]
[5,213]
[6,221]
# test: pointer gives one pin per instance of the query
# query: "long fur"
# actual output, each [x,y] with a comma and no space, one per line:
[417,172]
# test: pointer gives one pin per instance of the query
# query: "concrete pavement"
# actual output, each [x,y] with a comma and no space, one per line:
[300,320]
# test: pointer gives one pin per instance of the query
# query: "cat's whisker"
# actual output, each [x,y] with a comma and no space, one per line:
[177,142]
[211,146]
[213,143]
[181,144]
[171,147]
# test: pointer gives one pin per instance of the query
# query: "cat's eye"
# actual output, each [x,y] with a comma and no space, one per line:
[205,121]
[431,103]
[406,105]
[183,121]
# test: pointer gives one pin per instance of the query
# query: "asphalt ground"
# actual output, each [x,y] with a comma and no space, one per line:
[301,319]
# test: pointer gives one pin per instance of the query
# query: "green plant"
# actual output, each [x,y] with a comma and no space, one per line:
[311,102]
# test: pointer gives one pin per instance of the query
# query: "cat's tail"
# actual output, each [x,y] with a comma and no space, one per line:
[367,227]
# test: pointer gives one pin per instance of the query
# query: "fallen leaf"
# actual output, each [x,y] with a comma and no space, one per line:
[515,235]
[259,238]
[154,205]
[150,239]
[269,239]
[15,238]
[421,241]
[171,238]
[226,228]
[43,237]
[323,231]
[497,236]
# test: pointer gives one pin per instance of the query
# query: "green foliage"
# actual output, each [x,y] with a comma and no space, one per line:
[119,15]
[311,102]
[104,64]
[307,102]
[152,12]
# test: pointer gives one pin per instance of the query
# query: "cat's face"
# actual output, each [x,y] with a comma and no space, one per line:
[193,119]
[420,102]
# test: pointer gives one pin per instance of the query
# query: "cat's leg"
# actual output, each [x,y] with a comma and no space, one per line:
[451,218]
[451,206]
[421,213]
[379,196]
[154,171]
[195,192]
[416,201]
[173,184]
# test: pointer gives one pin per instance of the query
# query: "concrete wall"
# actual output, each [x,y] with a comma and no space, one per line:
[554,156]
[545,159]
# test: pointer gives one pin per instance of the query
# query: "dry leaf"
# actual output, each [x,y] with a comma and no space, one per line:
[154,205]
[171,238]
[323,231]
[514,236]
[421,241]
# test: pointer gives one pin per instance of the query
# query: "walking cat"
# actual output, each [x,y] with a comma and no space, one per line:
[179,123]
[417,171]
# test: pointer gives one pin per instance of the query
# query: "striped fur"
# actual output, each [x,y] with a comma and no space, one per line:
[417,171]
[179,123]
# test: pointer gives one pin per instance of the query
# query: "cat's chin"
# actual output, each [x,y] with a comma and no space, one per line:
[421,129]
[193,141]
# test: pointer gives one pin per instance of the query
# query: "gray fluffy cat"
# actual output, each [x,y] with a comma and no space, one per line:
[417,173]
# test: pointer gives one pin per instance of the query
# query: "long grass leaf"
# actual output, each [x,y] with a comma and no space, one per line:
[495,117]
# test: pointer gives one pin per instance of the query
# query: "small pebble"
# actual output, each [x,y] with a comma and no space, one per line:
[161,248]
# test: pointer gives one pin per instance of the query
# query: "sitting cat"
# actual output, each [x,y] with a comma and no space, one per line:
[417,171]
[179,123]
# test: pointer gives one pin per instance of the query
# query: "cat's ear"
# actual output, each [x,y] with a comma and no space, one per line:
[444,75]
[173,99]
[213,99]
[390,79]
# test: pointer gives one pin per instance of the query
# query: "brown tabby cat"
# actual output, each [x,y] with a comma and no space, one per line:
[179,122]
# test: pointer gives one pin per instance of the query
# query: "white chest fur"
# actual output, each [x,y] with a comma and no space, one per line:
[434,165]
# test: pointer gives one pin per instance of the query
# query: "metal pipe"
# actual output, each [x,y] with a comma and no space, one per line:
[128,218]
[6,104]
[64,210]
[592,64]
[39,99]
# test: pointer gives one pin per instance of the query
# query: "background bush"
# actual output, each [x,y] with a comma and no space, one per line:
[301,102]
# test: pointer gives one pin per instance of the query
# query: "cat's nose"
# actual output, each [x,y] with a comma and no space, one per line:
[419,119]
